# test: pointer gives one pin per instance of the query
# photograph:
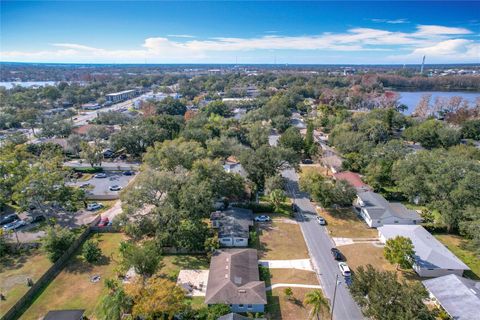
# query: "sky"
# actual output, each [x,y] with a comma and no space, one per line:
[314,32]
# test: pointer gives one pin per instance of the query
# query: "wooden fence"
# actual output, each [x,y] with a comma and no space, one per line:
[24,302]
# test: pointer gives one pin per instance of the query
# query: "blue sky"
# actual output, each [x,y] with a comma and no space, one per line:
[244,32]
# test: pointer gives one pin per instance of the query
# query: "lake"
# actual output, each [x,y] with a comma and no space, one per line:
[411,99]
[26,84]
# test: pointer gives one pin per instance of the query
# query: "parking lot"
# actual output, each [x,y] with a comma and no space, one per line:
[99,188]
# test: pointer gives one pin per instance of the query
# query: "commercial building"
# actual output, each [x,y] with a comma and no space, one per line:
[121,96]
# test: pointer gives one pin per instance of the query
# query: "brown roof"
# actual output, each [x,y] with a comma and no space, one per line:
[352,178]
[234,278]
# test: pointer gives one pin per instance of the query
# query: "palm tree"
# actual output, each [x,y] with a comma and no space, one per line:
[318,303]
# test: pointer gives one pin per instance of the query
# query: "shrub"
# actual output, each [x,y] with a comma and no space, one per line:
[88,169]
[91,251]
[57,241]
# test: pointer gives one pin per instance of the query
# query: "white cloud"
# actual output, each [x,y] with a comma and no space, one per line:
[432,40]
[180,36]
[391,21]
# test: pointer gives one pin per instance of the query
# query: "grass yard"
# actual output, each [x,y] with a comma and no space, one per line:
[279,308]
[345,223]
[457,245]
[171,265]
[361,254]
[316,168]
[14,271]
[292,276]
[281,241]
[72,288]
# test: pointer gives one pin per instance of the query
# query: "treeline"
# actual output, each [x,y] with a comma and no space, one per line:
[418,83]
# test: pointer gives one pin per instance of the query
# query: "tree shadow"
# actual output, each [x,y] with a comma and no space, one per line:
[191,262]
[262,247]
[78,266]
[14,261]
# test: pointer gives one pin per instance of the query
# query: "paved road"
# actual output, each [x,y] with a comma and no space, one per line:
[319,245]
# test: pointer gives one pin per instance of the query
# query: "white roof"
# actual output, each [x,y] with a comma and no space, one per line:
[460,297]
[429,252]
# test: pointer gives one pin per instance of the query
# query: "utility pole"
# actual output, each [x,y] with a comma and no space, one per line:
[334,295]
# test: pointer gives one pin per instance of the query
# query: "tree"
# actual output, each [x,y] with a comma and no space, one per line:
[156,298]
[217,310]
[56,241]
[91,251]
[116,303]
[317,302]
[274,182]
[288,293]
[171,106]
[172,153]
[310,147]
[471,129]
[292,138]
[382,297]
[217,107]
[258,135]
[92,153]
[276,198]
[144,259]
[399,251]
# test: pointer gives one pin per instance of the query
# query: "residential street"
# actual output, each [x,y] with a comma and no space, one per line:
[319,245]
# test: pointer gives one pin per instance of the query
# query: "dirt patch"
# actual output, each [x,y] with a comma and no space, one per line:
[344,223]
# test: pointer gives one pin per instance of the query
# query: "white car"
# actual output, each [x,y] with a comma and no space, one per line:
[262,218]
[344,269]
[14,225]
[100,175]
[115,188]
[94,206]
[321,221]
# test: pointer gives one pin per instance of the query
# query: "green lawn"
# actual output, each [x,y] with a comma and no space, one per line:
[14,271]
[72,288]
[457,245]
[171,265]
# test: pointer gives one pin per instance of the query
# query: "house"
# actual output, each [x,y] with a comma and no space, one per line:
[65,315]
[432,259]
[353,179]
[458,296]
[233,226]
[233,279]
[377,211]
[333,162]
[232,165]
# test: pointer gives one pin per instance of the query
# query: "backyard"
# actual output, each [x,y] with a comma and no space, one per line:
[72,288]
[14,271]
[457,245]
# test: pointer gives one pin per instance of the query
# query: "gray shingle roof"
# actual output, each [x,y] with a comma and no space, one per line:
[233,316]
[234,278]
[65,315]
[429,252]
[460,297]
[379,208]
[234,222]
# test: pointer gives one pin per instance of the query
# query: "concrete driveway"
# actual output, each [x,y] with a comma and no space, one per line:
[300,264]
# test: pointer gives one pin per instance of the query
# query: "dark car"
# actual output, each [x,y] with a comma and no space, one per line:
[8,219]
[128,173]
[37,218]
[103,222]
[336,254]
[307,161]
[294,207]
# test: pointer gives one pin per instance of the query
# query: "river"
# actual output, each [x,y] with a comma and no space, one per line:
[411,99]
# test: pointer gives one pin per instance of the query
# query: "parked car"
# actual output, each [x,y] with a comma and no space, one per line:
[100,175]
[344,269]
[262,218]
[307,161]
[103,222]
[115,187]
[8,218]
[337,255]
[36,218]
[94,206]
[122,157]
[128,173]
[14,225]
[321,221]
[84,185]
[108,153]
[294,207]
